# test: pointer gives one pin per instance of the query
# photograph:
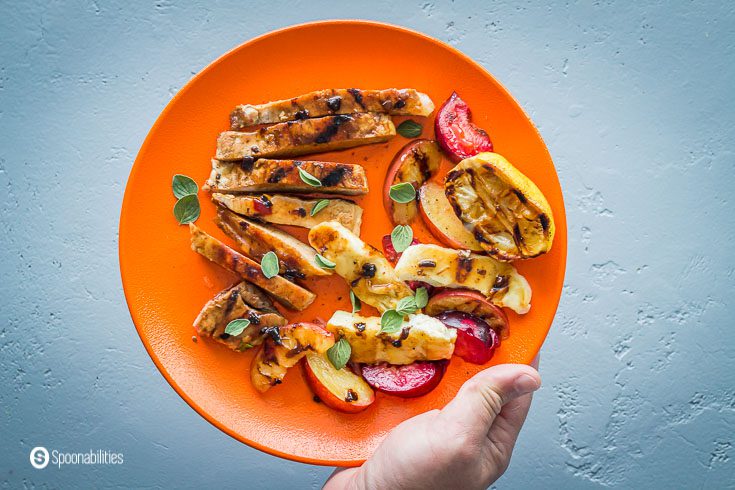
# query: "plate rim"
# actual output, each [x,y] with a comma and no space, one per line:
[127,197]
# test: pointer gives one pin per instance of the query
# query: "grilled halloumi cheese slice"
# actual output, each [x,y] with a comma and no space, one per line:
[282,290]
[283,348]
[231,304]
[306,136]
[421,338]
[449,268]
[365,269]
[397,102]
[294,211]
[266,175]
[297,259]
[503,208]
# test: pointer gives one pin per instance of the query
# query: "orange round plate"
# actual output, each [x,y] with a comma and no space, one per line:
[166,284]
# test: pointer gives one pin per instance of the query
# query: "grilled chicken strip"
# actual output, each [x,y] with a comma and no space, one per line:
[449,268]
[397,102]
[297,259]
[421,338]
[283,348]
[294,211]
[365,269]
[284,291]
[308,136]
[232,303]
[267,175]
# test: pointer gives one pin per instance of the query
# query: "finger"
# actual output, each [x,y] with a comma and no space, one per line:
[504,431]
[536,360]
[482,397]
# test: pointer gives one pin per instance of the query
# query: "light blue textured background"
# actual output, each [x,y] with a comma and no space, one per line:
[637,106]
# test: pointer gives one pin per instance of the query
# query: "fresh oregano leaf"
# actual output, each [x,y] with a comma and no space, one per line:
[236,327]
[183,185]
[403,192]
[319,206]
[324,262]
[421,297]
[406,306]
[391,321]
[409,129]
[309,179]
[269,265]
[187,209]
[339,353]
[401,237]
[356,304]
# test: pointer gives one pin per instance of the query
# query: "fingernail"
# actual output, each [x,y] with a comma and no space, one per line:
[526,384]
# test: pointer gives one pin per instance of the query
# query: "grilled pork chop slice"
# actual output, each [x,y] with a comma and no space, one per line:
[297,259]
[308,136]
[290,210]
[397,102]
[284,291]
[230,304]
[267,175]
[365,269]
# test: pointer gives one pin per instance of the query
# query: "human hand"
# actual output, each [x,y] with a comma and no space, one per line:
[465,445]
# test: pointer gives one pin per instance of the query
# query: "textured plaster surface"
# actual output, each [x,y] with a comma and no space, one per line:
[635,101]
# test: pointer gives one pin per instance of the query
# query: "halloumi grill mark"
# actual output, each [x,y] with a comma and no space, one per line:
[231,304]
[421,338]
[297,259]
[397,102]
[267,175]
[365,269]
[445,267]
[282,290]
[308,136]
[291,210]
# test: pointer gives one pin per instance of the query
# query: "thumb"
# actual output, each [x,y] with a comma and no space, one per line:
[481,398]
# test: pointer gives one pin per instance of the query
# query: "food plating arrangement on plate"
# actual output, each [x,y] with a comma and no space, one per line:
[415,304]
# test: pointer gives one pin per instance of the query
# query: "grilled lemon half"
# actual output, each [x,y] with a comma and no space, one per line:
[503,209]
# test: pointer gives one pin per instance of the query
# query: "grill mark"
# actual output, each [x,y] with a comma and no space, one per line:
[464,266]
[400,104]
[302,114]
[328,133]
[351,396]
[501,282]
[335,176]
[277,175]
[544,222]
[520,196]
[423,161]
[357,95]
[231,300]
